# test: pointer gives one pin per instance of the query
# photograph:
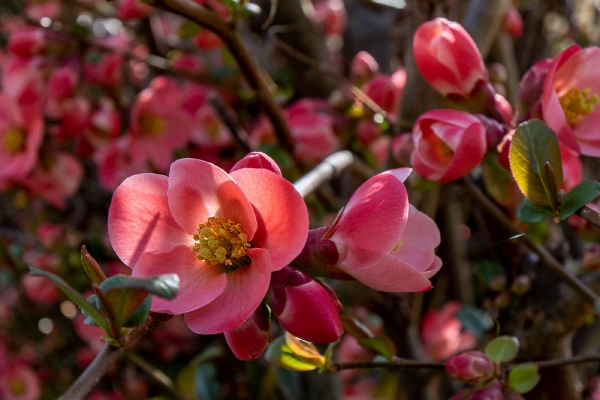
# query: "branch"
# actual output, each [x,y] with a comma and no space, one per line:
[248,67]
[562,362]
[237,132]
[399,364]
[541,251]
[590,215]
[328,169]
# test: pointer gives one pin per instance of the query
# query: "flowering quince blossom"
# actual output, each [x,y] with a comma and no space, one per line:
[19,382]
[252,337]
[386,91]
[570,99]
[471,367]
[448,144]
[448,58]
[399,258]
[442,335]
[222,234]
[21,131]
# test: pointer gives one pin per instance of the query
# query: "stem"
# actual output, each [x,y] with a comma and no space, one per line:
[541,251]
[562,362]
[155,373]
[248,67]
[400,364]
[328,168]
[237,132]
[590,215]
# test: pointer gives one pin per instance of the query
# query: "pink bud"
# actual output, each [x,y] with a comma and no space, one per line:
[386,91]
[448,144]
[304,307]
[471,367]
[492,392]
[27,42]
[259,160]
[363,68]
[132,9]
[331,16]
[512,23]
[62,82]
[448,58]
[531,88]
[208,40]
[252,337]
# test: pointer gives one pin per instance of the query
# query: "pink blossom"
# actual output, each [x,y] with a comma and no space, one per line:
[513,22]
[570,99]
[56,178]
[448,58]
[22,80]
[331,16]
[531,88]
[27,42]
[208,40]
[189,63]
[106,68]
[442,334]
[572,168]
[132,9]
[448,144]
[159,125]
[367,131]
[38,10]
[251,338]
[115,163]
[363,68]
[62,82]
[74,114]
[304,307]
[176,216]
[19,382]
[386,91]
[21,131]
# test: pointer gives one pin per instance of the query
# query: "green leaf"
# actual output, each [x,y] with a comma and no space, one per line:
[165,286]
[293,354]
[92,269]
[502,349]
[474,320]
[534,144]
[355,328]
[381,345]
[74,296]
[578,197]
[125,302]
[139,315]
[531,213]
[523,377]
[186,380]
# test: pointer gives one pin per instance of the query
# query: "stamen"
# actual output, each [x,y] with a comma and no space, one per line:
[14,141]
[222,243]
[151,124]
[576,104]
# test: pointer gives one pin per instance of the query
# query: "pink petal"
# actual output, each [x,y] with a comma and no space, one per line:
[392,275]
[257,160]
[280,211]
[419,239]
[198,190]
[139,219]
[199,282]
[372,222]
[245,289]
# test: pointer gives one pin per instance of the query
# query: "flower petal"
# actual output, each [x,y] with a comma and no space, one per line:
[392,275]
[256,159]
[245,289]
[419,239]
[372,222]
[280,211]
[199,282]
[198,190]
[139,219]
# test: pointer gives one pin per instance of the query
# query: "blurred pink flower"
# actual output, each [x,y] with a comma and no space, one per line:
[132,9]
[386,91]
[115,163]
[330,15]
[571,96]
[448,144]
[442,334]
[177,216]
[27,42]
[22,81]
[62,82]
[363,68]
[513,22]
[19,382]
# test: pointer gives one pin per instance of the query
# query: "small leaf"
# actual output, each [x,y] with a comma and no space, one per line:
[531,213]
[523,377]
[125,302]
[165,286]
[280,353]
[303,349]
[92,269]
[474,320]
[578,197]
[534,144]
[109,313]
[355,328]
[74,296]
[139,315]
[381,345]
[502,349]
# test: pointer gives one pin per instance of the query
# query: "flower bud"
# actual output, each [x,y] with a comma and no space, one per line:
[472,367]
[252,337]
[363,68]
[448,144]
[448,58]
[304,307]
[512,23]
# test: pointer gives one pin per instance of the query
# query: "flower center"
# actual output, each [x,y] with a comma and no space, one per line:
[17,387]
[14,141]
[152,124]
[222,243]
[577,103]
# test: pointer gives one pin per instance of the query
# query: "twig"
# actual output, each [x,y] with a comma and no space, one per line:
[239,135]
[248,67]
[155,373]
[325,171]
[590,215]
[561,362]
[399,364]
[541,251]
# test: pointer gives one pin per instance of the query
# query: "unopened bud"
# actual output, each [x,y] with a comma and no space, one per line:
[363,68]
[252,337]
[472,367]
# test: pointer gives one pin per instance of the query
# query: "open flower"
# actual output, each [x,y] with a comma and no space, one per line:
[223,234]
[571,96]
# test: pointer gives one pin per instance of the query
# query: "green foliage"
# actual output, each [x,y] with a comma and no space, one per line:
[523,377]
[502,349]
[578,197]
[292,353]
[532,213]
[474,320]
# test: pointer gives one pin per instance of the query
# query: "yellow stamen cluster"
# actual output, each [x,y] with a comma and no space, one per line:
[14,141]
[17,387]
[151,124]
[577,103]
[221,243]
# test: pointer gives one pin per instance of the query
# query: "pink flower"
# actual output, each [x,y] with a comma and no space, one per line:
[471,367]
[27,42]
[251,338]
[19,382]
[398,258]
[132,9]
[159,125]
[62,82]
[448,144]
[115,163]
[570,98]
[21,131]
[512,22]
[572,168]
[363,68]
[448,58]
[304,307]
[331,16]
[208,40]
[22,80]
[386,91]
[223,234]
[531,88]
[442,334]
